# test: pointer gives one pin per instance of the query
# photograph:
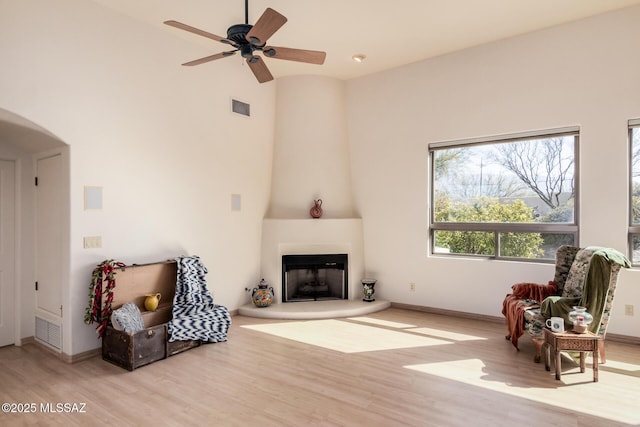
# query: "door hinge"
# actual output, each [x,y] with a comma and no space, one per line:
[60,310]
[36,286]
[36,179]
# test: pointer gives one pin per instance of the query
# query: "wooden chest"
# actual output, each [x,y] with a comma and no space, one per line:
[133,284]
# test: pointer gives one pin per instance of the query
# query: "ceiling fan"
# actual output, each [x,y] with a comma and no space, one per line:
[249,39]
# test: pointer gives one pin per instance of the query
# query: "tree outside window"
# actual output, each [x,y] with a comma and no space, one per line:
[509,197]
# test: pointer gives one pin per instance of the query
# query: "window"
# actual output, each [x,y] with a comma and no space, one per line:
[634,191]
[508,197]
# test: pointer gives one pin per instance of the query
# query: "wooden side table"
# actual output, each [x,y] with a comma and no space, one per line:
[570,341]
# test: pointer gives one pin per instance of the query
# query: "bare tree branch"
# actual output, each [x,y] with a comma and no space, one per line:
[542,165]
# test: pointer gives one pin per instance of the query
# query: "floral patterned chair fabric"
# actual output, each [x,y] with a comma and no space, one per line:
[534,321]
[585,277]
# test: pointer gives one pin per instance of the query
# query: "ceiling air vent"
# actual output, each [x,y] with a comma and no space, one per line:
[240,107]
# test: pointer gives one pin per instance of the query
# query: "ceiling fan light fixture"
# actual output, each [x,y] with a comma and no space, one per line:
[246,51]
[359,57]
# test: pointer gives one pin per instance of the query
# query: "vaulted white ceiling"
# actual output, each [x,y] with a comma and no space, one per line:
[389,33]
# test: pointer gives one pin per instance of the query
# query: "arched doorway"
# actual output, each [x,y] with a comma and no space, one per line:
[22,143]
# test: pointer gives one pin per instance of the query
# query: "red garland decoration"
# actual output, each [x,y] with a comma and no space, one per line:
[101,295]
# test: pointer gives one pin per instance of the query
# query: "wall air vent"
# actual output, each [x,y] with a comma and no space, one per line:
[49,333]
[240,107]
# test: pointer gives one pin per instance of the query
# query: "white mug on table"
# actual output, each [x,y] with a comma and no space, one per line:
[556,324]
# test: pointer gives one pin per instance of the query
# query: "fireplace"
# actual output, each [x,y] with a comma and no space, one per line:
[314,277]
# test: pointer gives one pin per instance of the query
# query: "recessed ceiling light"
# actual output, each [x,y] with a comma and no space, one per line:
[359,57]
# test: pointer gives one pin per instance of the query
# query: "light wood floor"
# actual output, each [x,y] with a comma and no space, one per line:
[260,379]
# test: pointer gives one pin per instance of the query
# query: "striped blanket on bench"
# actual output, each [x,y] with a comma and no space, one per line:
[195,315]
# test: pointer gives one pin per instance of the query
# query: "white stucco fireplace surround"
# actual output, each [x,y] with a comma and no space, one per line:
[311,237]
[311,161]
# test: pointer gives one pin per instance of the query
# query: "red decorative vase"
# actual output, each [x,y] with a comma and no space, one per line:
[316,210]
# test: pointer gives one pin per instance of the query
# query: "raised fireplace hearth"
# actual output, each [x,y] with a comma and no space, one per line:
[314,277]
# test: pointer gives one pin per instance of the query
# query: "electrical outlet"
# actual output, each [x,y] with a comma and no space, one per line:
[628,310]
[92,242]
[412,287]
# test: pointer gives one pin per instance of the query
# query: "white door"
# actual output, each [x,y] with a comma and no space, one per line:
[49,234]
[7,252]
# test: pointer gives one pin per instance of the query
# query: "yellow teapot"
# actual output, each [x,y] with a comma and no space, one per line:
[152,301]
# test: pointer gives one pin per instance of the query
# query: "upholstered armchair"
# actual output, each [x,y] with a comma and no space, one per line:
[583,277]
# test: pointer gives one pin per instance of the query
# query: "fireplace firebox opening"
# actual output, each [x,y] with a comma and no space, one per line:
[314,277]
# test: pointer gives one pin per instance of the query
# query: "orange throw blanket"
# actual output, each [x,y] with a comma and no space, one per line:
[513,307]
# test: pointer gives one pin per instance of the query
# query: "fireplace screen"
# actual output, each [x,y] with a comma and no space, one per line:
[314,277]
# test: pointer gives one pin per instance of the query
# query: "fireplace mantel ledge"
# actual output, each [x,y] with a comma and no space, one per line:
[311,225]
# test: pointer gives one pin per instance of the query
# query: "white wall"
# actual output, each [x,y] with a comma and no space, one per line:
[584,74]
[158,137]
[311,154]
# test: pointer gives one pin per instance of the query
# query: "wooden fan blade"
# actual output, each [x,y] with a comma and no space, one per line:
[300,55]
[259,69]
[197,31]
[265,27]
[209,58]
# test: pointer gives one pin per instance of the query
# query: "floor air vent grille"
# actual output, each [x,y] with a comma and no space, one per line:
[49,333]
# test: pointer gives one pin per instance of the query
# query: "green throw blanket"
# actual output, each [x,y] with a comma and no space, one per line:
[594,291]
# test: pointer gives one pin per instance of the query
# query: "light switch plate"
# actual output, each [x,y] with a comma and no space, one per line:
[92,242]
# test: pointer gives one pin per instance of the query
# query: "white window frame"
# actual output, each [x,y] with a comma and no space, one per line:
[634,229]
[498,228]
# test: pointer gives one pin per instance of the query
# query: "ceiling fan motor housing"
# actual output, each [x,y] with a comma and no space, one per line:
[238,33]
